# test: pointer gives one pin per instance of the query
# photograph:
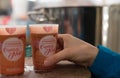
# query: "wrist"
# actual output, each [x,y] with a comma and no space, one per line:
[93,54]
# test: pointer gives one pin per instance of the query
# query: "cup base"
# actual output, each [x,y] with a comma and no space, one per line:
[12,74]
[43,70]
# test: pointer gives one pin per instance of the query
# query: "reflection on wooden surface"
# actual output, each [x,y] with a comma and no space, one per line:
[63,69]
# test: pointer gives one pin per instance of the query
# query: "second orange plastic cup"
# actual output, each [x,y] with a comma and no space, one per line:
[44,42]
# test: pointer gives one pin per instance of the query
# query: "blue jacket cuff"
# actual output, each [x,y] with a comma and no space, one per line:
[104,63]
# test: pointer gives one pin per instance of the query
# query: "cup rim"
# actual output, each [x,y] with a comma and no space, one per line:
[44,25]
[12,26]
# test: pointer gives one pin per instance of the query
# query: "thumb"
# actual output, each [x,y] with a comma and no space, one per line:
[62,55]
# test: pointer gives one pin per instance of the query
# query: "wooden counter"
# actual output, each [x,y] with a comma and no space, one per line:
[63,69]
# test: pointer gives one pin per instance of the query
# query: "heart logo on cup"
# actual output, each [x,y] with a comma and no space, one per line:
[47,29]
[10,30]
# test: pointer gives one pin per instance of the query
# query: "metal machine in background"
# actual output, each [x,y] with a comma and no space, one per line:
[82,22]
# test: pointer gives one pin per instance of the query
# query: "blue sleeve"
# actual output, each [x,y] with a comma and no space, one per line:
[106,64]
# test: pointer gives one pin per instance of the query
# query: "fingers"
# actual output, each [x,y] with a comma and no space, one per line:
[56,58]
[60,41]
[62,54]
[64,36]
[60,44]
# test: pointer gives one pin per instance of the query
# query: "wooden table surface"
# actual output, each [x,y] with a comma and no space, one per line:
[63,69]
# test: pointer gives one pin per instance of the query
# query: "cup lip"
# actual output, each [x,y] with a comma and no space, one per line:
[44,25]
[12,26]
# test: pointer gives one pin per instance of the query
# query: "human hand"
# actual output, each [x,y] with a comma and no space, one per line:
[75,50]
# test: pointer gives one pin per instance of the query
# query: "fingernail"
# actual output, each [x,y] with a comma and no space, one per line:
[46,63]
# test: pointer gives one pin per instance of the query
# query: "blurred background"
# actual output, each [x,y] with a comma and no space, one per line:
[94,21]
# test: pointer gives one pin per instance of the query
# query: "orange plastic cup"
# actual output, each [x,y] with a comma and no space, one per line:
[12,47]
[44,42]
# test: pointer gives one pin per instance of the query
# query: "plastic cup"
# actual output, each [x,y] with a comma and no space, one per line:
[12,49]
[44,42]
